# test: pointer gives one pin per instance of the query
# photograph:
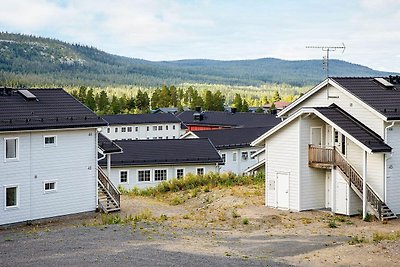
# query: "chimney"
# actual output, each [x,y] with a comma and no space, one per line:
[233,110]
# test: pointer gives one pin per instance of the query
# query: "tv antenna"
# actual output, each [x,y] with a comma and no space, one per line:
[327,49]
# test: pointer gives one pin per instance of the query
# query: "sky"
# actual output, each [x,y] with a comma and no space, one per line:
[217,29]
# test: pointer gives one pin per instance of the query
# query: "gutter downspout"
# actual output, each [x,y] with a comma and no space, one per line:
[385,161]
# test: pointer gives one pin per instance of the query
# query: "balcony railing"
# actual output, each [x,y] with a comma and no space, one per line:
[321,157]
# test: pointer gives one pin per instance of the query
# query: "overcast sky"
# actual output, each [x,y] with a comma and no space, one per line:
[217,29]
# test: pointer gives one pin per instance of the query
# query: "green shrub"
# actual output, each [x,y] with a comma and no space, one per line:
[245,221]
[332,224]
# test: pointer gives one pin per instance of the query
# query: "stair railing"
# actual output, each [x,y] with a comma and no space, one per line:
[109,186]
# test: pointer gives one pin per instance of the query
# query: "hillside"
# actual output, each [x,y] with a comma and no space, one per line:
[28,61]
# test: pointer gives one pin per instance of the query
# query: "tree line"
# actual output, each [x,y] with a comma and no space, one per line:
[103,102]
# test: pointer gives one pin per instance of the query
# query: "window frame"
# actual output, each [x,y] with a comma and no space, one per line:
[123,129]
[244,155]
[183,173]
[50,144]
[200,168]
[160,170]
[144,170]
[160,127]
[127,176]
[154,127]
[129,129]
[116,130]
[234,156]
[47,191]
[16,149]
[16,196]
[223,156]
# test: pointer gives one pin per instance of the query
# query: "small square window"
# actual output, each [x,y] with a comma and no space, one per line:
[179,173]
[123,129]
[144,176]
[49,187]
[129,129]
[49,141]
[160,137]
[123,176]
[160,175]
[154,128]
[245,155]
[200,171]
[11,196]
[116,130]
[11,148]
[155,137]
[160,128]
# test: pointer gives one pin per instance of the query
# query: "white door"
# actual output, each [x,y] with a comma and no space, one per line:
[282,192]
[328,194]
[341,201]
[316,136]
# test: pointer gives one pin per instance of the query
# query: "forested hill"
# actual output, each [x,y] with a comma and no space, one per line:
[34,61]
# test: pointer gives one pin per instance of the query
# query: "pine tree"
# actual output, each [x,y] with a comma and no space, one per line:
[237,102]
[102,102]
[90,102]
[245,106]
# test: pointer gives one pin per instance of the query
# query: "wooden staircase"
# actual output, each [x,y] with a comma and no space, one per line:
[108,194]
[327,158]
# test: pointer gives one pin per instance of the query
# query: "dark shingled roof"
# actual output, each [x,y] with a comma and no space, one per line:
[52,109]
[165,152]
[234,137]
[108,146]
[228,119]
[355,128]
[121,119]
[384,100]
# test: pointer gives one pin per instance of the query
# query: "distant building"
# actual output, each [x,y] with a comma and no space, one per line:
[168,110]
[146,163]
[212,120]
[234,146]
[48,145]
[143,126]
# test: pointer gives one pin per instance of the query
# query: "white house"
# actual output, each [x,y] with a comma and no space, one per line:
[233,145]
[338,148]
[145,163]
[142,126]
[48,150]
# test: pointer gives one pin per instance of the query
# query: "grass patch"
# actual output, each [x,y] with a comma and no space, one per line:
[392,236]
[117,219]
[332,224]
[235,214]
[357,240]
[245,221]
[191,181]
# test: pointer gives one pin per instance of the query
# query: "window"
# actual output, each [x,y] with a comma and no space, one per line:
[223,155]
[49,141]
[200,171]
[11,194]
[173,137]
[166,127]
[160,128]
[148,128]
[137,129]
[160,175]
[336,136]
[11,148]
[144,176]
[160,137]
[123,177]
[108,130]
[116,130]
[180,173]
[130,129]
[154,128]
[234,156]
[245,155]
[49,187]
[123,129]
[173,127]
[166,137]
[155,137]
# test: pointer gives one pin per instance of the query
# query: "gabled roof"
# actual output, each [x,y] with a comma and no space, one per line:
[125,119]
[46,109]
[382,100]
[343,122]
[232,138]
[108,146]
[165,152]
[228,119]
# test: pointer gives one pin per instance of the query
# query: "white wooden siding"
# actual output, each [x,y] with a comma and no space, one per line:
[351,106]
[312,180]
[71,163]
[393,170]
[239,166]
[282,156]
[171,173]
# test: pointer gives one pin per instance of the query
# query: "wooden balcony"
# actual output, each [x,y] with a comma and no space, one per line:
[321,157]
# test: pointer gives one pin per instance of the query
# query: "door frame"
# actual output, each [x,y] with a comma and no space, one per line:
[311,134]
[277,189]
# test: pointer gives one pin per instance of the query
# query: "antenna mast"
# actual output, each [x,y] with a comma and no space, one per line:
[327,49]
